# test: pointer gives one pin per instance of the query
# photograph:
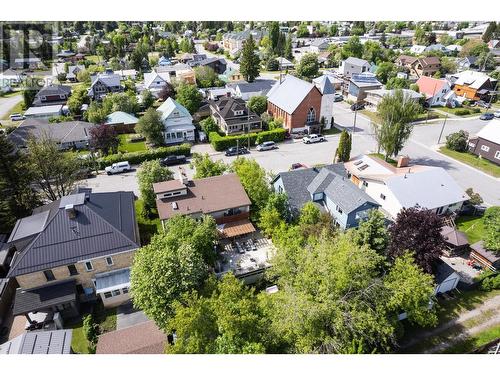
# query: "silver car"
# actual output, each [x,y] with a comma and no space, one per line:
[265,146]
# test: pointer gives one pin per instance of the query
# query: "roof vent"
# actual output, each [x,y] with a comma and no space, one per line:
[175,206]
[70,211]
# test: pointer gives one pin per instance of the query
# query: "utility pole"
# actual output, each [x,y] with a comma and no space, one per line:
[442,128]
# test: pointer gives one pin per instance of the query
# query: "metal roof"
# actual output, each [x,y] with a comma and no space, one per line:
[491,131]
[290,93]
[40,342]
[324,84]
[29,226]
[169,106]
[120,117]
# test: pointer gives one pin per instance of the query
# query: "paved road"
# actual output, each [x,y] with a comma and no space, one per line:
[6,104]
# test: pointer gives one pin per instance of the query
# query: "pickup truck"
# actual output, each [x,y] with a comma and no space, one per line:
[313,138]
[173,160]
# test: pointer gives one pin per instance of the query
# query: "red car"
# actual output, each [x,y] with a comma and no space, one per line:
[298,166]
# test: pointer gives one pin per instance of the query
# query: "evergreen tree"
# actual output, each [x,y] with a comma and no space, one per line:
[288,48]
[490,32]
[250,61]
[343,152]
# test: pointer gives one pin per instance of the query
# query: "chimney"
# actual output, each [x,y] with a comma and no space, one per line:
[403,161]
[70,211]
[183,176]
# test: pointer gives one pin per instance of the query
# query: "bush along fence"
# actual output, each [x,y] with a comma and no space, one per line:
[221,143]
[138,157]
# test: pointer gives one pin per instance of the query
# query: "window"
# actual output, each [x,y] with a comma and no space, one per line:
[107,295]
[382,196]
[485,148]
[439,211]
[339,210]
[497,155]
[115,292]
[49,275]
[109,261]
[365,184]
[311,116]
[125,290]
[88,266]
[72,270]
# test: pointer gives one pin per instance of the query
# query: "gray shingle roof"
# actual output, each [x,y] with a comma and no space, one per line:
[259,85]
[295,184]
[347,195]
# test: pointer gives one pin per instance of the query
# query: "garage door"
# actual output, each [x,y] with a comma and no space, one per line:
[448,285]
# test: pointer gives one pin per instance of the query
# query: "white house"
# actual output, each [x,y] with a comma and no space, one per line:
[327,89]
[436,91]
[406,186]
[353,65]
[155,82]
[417,49]
[126,74]
[177,122]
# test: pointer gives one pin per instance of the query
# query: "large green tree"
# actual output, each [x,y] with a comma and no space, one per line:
[150,173]
[258,104]
[373,232]
[491,221]
[189,97]
[353,48]
[206,167]
[249,61]
[151,127]
[343,152]
[254,179]
[308,66]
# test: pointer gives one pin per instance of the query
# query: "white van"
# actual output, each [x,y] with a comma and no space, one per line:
[264,146]
[123,166]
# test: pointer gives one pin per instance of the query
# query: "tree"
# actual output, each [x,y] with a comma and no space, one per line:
[76,100]
[258,104]
[270,220]
[491,223]
[417,230]
[206,167]
[253,178]
[166,92]
[490,32]
[206,77]
[121,101]
[486,61]
[148,99]
[475,198]
[54,173]
[353,48]
[373,232]
[448,65]
[397,83]
[302,31]
[420,37]
[308,66]
[287,51]
[151,127]
[343,152]
[96,113]
[104,138]
[385,71]
[151,172]
[189,97]
[396,111]
[458,141]
[473,47]
[309,214]
[373,51]
[272,65]
[249,61]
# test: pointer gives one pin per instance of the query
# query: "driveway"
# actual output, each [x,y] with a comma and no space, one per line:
[6,104]
[127,316]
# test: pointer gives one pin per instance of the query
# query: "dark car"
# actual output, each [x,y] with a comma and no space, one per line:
[487,116]
[233,151]
[357,106]
[173,160]
[297,166]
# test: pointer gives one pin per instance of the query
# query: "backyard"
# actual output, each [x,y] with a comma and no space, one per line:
[472,226]
[148,226]
[127,146]
[482,164]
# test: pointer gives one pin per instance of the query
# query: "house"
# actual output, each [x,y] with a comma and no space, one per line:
[179,72]
[435,90]
[456,241]
[436,47]
[453,49]
[40,342]
[374,97]
[327,89]
[486,143]
[231,75]
[233,41]
[297,102]
[423,66]
[234,117]
[285,64]
[216,93]
[73,71]
[11,77]
[52,95]
[76,249]
[65,55]
[245,90]
[68,135]
[319,45]
[486,259]
[467,63]
[122,122]
[446,278]
[177,122]
[330,189]
[406,186]
[164,61]
[126,74]
[494,43]
[221,197]
[218,64]
[353,65]
[28,63]
[103,84]
[417,49]
[473,85]
[44,112]
[360,85]
[155,82]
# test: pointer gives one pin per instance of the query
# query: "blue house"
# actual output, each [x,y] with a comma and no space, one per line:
[330,189]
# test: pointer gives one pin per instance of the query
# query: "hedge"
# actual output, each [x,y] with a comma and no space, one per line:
[462,112]
[138,157]
[221,143]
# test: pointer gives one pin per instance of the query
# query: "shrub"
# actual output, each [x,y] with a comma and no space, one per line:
[90,329]
[457,141]
[141,156]
[221,143]
[475,110]
[462,112]
[490,283]
[276,135]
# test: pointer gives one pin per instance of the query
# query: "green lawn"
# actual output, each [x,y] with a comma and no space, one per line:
[11,94]
[475,341]
[482,164]
[454,110]
[18,108]
[472,226]
[382,156]
[126,146]
[373,116]
[93,58]
[333,130]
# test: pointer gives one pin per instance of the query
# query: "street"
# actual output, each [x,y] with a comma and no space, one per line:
[6,104]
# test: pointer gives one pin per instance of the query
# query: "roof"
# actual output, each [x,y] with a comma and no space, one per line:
[205,196]
[491,131]
[365,80]
[106,282]
[120,117]
[144,338]
[295,184]
[355,61]
[324,85]
[429,86]
[104,225]
[472,79]
[406,60]
[490,255]
[40,342]
[443,271]
[164,186]
[453,236]
[172,107]
[45,110]
[259,85]
[406,93]
[431,60]
[71,131]
[227,106]
[152,76]
[44,297]
[290,93]
[52,90]
[236,228]
[107,79]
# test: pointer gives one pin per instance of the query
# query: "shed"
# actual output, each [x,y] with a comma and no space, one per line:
[446,278]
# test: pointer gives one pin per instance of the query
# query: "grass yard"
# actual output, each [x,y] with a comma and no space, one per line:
[472,226]
[482,164]
[382,156]
[374,117]
[475,341]
[79,343]
[453,111]
[126,146]
[18,108]
[333,130]
[11,94]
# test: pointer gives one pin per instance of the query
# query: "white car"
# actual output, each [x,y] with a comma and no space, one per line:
[265,146]
[17,117]
[497,114]
[313,138]
[123,166]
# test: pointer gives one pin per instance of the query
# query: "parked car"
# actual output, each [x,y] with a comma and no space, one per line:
[338,97]
[265,146]
[487,116]
[357,106]
[123,166]
[17,117]
[483,104]
[173,160]
[497,114]
[313,138]
[233,151]
[297,166]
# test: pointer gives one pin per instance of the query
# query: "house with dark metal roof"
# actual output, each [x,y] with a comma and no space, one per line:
[218,64]
[103,84]
[330,189]
[245,90]
[234,117]
[75,249]
[52,95]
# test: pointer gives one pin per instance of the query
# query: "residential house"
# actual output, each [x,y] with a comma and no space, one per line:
[417,49]
[231,75]
[233,41]
[330,189]
[218,64]
[122,122]
[222,197]
[418,67]
[68,135]
[485,258]
[73,71]
[453,49]
[327,89]
[76,249]
[126,74]
[374,97]
[319,45]
[297,103]
[179,72]
[438,47]
[285,64]
[164,61]
[40,342]
[103,84]
[360,85]
[473,85]
[28,63]
[406,186]
[216,93]
[435,90]
[245,90]
[234,117]
[494,43]
[353,65]
[177,122]
[44,112]
[52,95]
[467,63]
[486,143]
[11,77]
[155,82]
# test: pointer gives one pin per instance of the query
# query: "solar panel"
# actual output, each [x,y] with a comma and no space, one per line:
[363,167]
[358,162]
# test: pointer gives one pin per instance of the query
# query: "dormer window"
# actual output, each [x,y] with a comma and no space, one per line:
[238,113]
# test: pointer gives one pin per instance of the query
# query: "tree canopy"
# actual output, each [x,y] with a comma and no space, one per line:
[151,127]
[150,173]
[249,61]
